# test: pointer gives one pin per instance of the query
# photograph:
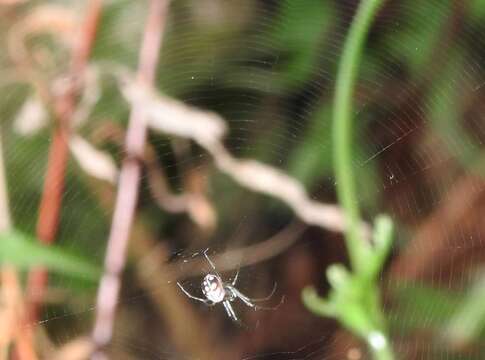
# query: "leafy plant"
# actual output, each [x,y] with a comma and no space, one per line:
[354,297]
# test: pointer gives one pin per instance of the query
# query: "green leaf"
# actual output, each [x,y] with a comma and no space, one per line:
[338,276]
[317,304]
[24,252]
[382,238]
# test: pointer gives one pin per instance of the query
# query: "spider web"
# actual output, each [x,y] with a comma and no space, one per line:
[268,69]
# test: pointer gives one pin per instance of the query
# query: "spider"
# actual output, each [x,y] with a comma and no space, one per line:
[217,291]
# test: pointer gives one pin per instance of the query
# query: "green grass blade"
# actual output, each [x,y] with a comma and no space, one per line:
[24,252]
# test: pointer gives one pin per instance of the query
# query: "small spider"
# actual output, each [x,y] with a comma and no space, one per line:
[217,291]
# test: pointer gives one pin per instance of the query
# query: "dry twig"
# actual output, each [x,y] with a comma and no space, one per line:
[128,185]
[207,129]
[235,258]
[192,201]
[64,108]
[14,304]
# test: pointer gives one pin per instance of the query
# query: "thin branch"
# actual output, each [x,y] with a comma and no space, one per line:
[64,108]
[159,188]
[127,195]
[236,258]
[14,302]
[192,201]
[5,220]
[208,129]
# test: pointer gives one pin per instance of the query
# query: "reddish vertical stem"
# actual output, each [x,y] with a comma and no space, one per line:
[64,106]
[87,37]
[127,194]
[47,223]
[50,204]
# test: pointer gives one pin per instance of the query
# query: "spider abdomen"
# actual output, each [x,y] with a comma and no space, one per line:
[213,288]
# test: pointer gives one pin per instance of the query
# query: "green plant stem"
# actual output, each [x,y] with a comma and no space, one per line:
[359,250]
[384,353]
[342,128]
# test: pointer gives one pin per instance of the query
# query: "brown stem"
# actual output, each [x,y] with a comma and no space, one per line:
[238,258]
[87,37]
[50,204]
[127,194]
[48,216]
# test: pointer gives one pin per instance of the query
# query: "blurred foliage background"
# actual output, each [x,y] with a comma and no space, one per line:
[268,68]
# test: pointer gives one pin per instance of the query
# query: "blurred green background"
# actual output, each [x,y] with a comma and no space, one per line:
[269,69]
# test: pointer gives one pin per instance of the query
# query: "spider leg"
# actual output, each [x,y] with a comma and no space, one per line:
[267,297]
[205,301]
[230,310]
[249,302]
[211,263]
[234,280]
[258,299]
[232,315]
[209,260]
